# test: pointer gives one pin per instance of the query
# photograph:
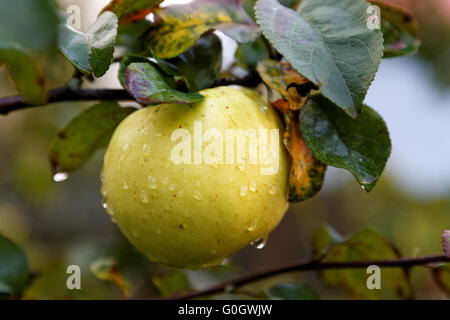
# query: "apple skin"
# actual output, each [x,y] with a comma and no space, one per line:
[192,215]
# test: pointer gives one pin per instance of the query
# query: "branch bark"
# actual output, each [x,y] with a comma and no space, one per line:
[311,265]
[8,104]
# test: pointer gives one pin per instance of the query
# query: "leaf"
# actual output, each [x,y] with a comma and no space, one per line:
[76,143]
[29,24]
[201,63]
[366,245]
[14,271]
[306,174]
[125,62]
[323,238]
[101,38]
[131,10]
[26,73]
[281,77]
[249,5]
[93,51]
[441,276]
[179,26]
[361,146]
[399,30]
[148,86]
[328,42]
[172,283]
[106,269]
[291,291]
[74,47]
[249,54]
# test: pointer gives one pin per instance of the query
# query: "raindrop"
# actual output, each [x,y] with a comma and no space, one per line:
[197,195]
[151,182]
[60,176]
[172,187]
[144,196]
[253,186]
[165,180]
[272,189]
[244,190]
[104,204]
[122,156]
[125,185]
[259,243]
[364,188]
[146,150]
[180,193]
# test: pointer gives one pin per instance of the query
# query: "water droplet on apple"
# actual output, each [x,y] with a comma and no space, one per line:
[244,190]
[165,180]
[151,182]
[253,186]
[197,195]
[146,150]
[172,187]
[144,196]
[272,189]
[125,185]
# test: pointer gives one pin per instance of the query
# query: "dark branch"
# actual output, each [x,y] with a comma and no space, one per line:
[12,103]
[8,104]
[310,266]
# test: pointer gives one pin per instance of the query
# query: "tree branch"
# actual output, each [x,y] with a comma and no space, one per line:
[8,104]
[311,265]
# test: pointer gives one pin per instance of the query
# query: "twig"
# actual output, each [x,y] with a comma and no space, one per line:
[312,265]
[8,104]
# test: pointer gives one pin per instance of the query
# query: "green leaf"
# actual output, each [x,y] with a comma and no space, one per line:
[361,146]
[101,38]
[249,54]
[291,291]
[125,62]
[328,42]
[201,63]
[148,86]
[93,51]
[26,73]
[323,238]
[179,26]
[131,10]
[441,275]
[249,5]
[363,246]
[172,283]
[29,24]
[14,271]
[399,30]
[74,46]
[86,133]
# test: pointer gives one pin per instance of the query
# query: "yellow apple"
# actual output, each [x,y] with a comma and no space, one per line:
[194,206]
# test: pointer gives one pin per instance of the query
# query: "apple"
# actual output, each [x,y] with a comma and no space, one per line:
[179,189]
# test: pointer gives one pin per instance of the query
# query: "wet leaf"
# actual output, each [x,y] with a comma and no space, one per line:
[201,63]
[30,24]
[361,146]
[26,73]
[76,143]
[249,54]
[101,38]
[131,10]
[306,174]
[323,238]
[281,77]
[93,51]
[366,245]
[179,26]
[328,42]
[14,271]
[75,48]
[172,283]
[399,30]
[148,86]
[106,269]
[291,291]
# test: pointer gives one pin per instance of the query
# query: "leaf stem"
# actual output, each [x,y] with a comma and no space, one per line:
[312,265]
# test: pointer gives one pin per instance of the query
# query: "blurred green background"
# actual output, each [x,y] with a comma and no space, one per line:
[61,224]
